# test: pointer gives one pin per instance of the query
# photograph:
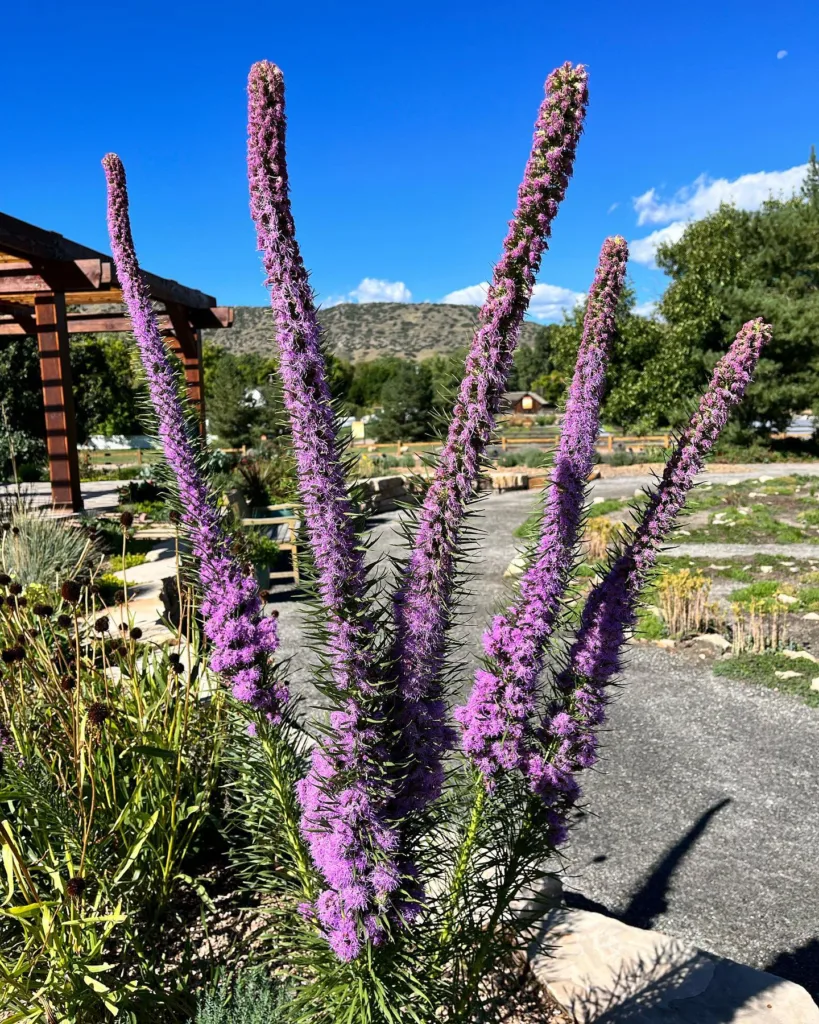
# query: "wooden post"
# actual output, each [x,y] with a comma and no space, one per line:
[58,399]
[186,343]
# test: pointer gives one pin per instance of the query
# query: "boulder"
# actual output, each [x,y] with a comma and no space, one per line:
[599,969]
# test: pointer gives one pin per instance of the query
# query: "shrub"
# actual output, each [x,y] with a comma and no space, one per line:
[39,548]
[684,601]
[107,792]
[251,998]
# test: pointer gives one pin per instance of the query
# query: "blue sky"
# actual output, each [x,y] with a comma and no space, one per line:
[409,128]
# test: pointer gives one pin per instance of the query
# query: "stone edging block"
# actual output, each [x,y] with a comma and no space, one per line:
[601,970]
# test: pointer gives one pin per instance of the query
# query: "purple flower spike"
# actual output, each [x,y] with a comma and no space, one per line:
[344,796]
[422,608]
[569,732]
[242,638]
[497,719]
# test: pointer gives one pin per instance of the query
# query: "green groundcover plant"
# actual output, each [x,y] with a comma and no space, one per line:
[401,846]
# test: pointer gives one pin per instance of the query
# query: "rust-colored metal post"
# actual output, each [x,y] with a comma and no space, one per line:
[58,399]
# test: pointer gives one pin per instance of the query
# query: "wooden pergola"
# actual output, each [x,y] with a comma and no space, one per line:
[41,275]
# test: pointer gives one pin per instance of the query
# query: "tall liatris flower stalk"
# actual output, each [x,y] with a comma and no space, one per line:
[242,638]
[423,600]
[569,732]
[344,795]
[497,719]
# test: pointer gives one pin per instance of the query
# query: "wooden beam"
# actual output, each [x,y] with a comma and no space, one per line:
[216,316]
[28,242]
[81,323]
[58,399]
[24,276]
[186,343]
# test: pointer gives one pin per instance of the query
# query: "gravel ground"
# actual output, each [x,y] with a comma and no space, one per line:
[702,821]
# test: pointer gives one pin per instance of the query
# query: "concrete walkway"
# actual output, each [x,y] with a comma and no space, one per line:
[703,820]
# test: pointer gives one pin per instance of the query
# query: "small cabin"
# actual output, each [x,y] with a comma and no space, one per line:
[525,403]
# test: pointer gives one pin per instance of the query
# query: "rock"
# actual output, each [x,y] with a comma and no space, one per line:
[764,479]
[719,568]
[765,568]
[789,675]
[516,567]
[684,533]
[666,643]
[732,483]
[714,639]
[800,654]
[600,969]
[745,568]
[811,616]
[814,683]
[598,500]
[787,599]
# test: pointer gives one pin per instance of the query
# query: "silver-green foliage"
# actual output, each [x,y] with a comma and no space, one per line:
[250,999]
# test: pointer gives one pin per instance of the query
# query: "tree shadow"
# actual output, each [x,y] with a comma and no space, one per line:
[800,964]
[650,899]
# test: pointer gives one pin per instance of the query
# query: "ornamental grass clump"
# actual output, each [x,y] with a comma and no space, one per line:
[394,837]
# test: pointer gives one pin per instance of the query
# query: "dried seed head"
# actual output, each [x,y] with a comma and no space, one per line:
[75,887]
[6,527]
[67,684]
[136,633]
[64,621]
[19,653]
[126,520]
[44,611]
[98,713]
[8,655]
[15,531]
[178,668]
[102,624]
[119,597]
[264,595]
[175,517]
[173,658]
[123,627]
[95,590]
[4,579]
[71,591]
[15,588]
[22,602]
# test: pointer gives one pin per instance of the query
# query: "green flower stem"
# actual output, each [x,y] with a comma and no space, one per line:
[505,895]
[290,816]
[464,859]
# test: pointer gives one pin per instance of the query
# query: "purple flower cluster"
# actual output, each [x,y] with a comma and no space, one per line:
[242,638]
[569,732]
[344,796]
[423,601]
[497,718]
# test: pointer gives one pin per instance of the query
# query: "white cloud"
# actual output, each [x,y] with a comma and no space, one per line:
[473,295]
[780,54]
[372,289]
[549,301]
[748,192]
[375,289]
[646,309]
[613,207]
[643,250]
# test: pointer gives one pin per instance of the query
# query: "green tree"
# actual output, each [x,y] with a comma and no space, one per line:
[735,265]
[532,362]
[406,404]
[106,388]
[244,401]
[648,380]
[364,392]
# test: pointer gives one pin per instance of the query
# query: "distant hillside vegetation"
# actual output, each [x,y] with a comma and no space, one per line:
[364,331]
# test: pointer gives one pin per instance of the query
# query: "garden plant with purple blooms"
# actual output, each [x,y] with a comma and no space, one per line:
[394,835]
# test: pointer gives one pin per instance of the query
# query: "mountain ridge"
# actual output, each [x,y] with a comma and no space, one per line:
[362,331]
